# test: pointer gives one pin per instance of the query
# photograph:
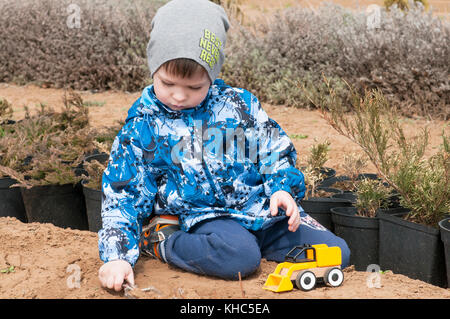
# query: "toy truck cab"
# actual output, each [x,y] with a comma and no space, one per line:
[319,261]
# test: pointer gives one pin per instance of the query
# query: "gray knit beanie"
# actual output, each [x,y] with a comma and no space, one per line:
[192,29]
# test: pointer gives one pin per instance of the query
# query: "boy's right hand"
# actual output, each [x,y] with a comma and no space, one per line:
[113,273]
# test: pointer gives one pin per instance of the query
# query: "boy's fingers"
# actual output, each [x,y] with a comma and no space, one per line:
[274,206]
[130,278]
[110,282]
[292,209]
[294,221]
[118,281]
[297,222]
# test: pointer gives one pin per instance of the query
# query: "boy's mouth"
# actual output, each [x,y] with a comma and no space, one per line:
[179,107]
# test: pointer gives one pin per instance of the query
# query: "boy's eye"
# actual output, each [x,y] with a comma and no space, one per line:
[166,84]
[195,87]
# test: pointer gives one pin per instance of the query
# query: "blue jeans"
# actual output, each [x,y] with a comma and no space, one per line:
[222,247]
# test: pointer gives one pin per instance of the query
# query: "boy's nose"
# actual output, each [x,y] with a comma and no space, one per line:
[179,96]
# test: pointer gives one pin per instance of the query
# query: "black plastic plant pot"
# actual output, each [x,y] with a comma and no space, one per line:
[360,233]
[350,196]
[93,200]
[329,190]
[11,203]
[396,211]
[328,173]
[444,226]
[319,209]
[411,249]
[101,157]
[394,200]
[61,205]
[329,182]
[367,176]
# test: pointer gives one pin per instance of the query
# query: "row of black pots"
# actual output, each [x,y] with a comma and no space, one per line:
[418,251]
[396,244]
[61,205]
[66,206]
[319,208]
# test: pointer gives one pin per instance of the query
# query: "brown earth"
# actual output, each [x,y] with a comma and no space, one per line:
[44,261]
[47,260]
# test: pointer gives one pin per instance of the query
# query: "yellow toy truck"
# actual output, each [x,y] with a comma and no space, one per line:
[320,261]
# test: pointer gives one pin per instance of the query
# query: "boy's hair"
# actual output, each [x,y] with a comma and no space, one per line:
[182,67]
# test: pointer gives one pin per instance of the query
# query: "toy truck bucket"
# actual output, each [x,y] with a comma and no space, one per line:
[278,283]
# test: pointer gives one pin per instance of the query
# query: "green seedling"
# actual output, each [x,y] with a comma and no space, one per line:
[7,270]
[298,136]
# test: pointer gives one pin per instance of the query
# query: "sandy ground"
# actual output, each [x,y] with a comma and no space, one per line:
[50,262]
[44,261]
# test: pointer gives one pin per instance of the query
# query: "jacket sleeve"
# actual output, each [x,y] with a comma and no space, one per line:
[128,192]
[276,156]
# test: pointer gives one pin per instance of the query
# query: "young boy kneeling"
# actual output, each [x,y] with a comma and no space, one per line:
[203,160]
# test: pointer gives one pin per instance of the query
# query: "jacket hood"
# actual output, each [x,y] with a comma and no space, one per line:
[147,103]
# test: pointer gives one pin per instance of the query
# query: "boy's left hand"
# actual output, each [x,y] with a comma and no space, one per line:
[284,200]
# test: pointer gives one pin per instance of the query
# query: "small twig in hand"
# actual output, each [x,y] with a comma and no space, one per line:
[127,289]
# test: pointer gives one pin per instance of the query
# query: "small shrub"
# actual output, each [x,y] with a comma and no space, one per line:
[46,147]
[353,165]
[312,181]
[313,170]
[371,195]
[422,184]
[318,155]
[107,50]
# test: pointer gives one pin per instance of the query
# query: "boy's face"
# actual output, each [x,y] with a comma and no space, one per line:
[179,93]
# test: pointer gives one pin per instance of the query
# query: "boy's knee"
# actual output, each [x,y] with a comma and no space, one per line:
[238,256]
[249,260]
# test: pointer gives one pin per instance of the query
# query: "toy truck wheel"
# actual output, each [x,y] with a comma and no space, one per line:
[334,277]
[305,281]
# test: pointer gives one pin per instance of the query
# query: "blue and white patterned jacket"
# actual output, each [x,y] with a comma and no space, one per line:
[225,157]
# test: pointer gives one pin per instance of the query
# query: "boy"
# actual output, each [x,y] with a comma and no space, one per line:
[204,160]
